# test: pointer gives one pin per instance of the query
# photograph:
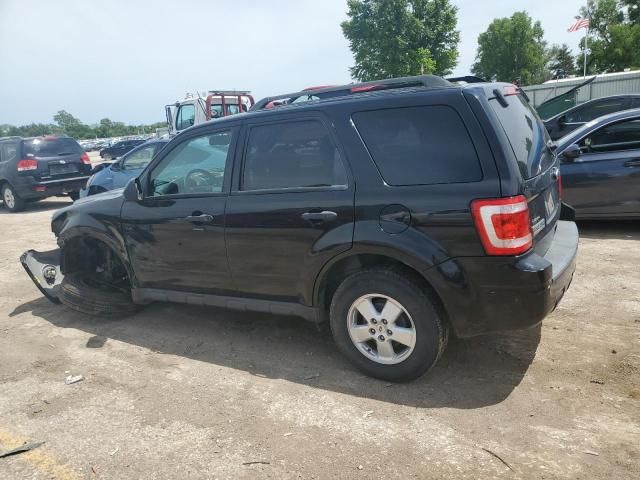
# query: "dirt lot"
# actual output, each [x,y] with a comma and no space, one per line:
[186,392]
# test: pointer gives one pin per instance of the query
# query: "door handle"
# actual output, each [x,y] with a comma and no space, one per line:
[199,218]
[324,216]
[632,163]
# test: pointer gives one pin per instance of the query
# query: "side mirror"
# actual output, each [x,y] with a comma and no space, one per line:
[116,166]
[571,153]
[133,191]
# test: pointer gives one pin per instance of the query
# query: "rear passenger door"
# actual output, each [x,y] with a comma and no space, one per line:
[607,178]
[291,208]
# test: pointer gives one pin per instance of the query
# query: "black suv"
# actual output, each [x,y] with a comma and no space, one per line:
[39,167]
[395,210]
[119,148]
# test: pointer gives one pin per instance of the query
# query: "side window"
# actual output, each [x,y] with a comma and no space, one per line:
[616,137]
[595,110]
[635,103]
[140,158]
[195,166]
[186,116]
[419,145]
[8,152]
[291,155]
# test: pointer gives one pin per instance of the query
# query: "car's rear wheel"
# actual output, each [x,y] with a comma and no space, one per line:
[12,201]
[387,325]
[82,292]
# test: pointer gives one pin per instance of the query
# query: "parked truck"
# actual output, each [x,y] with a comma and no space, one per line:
[194,109]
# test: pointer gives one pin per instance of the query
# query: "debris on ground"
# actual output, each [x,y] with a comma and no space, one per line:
[597,382]
[498,457]
[257,462]
[360,467]
[288,434]
[367,414]
[589,452]
[111,454]
[73,379]
[24,448]
[314,375]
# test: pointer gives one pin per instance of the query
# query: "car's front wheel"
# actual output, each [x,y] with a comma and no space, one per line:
[387,325]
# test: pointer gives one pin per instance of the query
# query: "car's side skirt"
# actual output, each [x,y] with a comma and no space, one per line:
[146,295]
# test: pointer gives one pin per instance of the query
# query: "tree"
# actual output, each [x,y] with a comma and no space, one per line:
[561,62]
[512,50]
[614,35]
[396,38]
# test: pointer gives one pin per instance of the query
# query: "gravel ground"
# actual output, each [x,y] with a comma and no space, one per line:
[186,392]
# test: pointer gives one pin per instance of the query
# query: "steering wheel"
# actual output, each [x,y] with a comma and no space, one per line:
[198,179]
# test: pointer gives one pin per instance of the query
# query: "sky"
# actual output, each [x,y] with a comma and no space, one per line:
[126,59]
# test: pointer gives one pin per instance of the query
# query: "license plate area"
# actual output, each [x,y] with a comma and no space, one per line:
[62,169]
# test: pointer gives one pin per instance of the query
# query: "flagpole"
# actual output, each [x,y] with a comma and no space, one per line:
[586,44]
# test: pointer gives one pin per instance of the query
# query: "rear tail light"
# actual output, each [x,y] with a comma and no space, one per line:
[40,188]
[27,164]
[503,225]
[559,186]
[85,159]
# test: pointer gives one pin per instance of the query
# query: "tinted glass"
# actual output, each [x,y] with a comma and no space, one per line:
[635,103]
[419,145]
[186,117]
[617,137]
[527,135]
[51,147]
[232,109]
[595,110]
[292,155]
[8,151]
[196,165]
[140,158]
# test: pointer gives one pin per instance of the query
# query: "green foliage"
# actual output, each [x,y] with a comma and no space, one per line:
[68,124]
[561,62]
[614,35]
[396,38]
[512,49]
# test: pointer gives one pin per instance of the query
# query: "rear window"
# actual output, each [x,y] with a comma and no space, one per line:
[51,147]
[419,145]
[527,135]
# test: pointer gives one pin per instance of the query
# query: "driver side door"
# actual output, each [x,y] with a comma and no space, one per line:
[175,234]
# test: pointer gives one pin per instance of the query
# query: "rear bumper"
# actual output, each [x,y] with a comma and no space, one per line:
[44,269]
[30,188]
[490,294]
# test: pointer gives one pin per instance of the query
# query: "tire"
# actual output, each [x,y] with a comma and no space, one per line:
[79,294]
[11,200]
[74,195]
[418,320]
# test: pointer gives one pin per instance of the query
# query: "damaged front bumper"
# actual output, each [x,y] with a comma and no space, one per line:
[44,270]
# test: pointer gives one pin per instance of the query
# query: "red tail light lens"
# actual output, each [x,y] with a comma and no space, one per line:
[85,159]
[559,186]
[503,225]
[27,164]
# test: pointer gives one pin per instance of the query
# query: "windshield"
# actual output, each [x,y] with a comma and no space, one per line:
[51,147]
[527,135]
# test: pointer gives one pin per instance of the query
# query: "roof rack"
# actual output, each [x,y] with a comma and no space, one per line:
[466,79]
[231,93]
[353,88]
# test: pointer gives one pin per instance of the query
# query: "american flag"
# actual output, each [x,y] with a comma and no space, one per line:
[580,23]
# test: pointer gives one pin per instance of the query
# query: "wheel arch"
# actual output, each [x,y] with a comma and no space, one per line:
[76,247]
[329,279]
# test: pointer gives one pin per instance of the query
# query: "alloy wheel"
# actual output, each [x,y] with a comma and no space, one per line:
[381,329]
